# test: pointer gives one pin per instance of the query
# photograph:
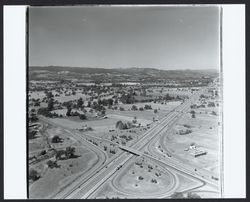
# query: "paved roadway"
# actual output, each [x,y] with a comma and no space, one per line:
[164,124]
[87,186]
[105,173]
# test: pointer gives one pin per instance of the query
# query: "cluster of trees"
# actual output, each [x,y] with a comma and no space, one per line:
[36,102]
[134,108]
[192,113]
[187,126]
[147,107]
[105,102]
[157,174]
[141,109]
[127,99]
[50,104]
[113,137]
[112,151]
[153,180]
[32,134]
[211,104]
[53,164]
[48,94]
[123,126]
[80,103]
[45,112]
[168,97]
[33,118]
[140,178]
[33,175]
[70,113]
[195,106]
[127,138]
[184,132]
[68,153]
[213,113]
[122,109]
[99,107]
[56,139]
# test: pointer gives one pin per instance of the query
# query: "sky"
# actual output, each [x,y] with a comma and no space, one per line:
[163,37]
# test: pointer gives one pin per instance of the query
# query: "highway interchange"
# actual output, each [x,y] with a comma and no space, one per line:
[107,169]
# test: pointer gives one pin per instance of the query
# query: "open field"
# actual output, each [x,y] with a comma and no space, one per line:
[205,132]
[53,179]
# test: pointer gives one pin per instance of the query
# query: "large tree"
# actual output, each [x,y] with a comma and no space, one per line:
[70,152]
[79,103]
[68,113]
[50,104]
[33,175]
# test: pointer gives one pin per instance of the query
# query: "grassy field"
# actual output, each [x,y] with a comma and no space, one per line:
[136,179]
[205,134]
[53,179]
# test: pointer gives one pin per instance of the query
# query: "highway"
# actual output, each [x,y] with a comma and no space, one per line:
[86,186]
[105,173]
[164,125]
[87,174]
[111,167]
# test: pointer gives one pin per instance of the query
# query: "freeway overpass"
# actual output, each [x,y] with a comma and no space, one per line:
[131,150]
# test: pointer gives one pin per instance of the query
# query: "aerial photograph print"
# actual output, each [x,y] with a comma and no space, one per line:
[124,102]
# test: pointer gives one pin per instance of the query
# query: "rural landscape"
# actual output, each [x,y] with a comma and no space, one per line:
[98,133]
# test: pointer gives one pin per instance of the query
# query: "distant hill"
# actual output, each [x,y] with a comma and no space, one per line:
[111,75]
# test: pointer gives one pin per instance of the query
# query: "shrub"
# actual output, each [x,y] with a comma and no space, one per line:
[32,134]
[140,178]
[192,195]
[45,112]
[33,175]
[68,113]
[134,108]
[52,164]
[50,104]
[43,152]
[153,180]
[146,107]
[70,152]
[82,116]
[213,113]
[56,139]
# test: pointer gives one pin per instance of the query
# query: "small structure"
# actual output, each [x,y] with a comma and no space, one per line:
[192,146]
[197,152]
